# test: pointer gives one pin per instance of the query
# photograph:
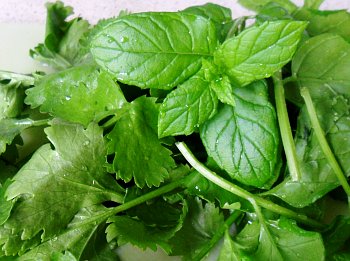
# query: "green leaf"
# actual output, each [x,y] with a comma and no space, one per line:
[75,240]
[55,184]
[320,22]
[332,55]
[337,235]
[259,51]
[220,15]
[138,152]
[280,240]
[220,84]
[314,4]
[61,48]
[187,107]
[271,12]
[10,128]
[130,230]
[6,205]
[257,5]
[228,251]
[80,94]
[244,140]
[199,227]
[129,44]
[11,96]
[331,80]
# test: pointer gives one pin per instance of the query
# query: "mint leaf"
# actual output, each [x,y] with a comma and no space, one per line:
[320,22]
[330,80]
[256,5]
[244,140]
[279,240]
[80,94]
[199,227]
[139,154]
[74,171]
[220,15]
[259,51]
[129,44]
[74,240]
[187,107]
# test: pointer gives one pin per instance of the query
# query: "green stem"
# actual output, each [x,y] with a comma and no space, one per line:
[42,122]
[153,194]
[322,140]
[218,235]
[286,132]
[234,189]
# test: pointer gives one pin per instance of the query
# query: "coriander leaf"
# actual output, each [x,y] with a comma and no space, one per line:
[129,230]
[80,94]
[6,171]
[75,239]
[11,96]
[244,140]
[6,205]
[228,251]
[129,44]
[134,141]
[259,51]
[256,5]
[320,22]
[220,15]
[187,107]
[314,4]
[10,128]
[61,48]
[73,170]
[199,227]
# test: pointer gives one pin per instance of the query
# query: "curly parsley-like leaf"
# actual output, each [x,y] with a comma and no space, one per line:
[244,140]
[80,94]
[187,107]
[145,49]
[73,170]
[138,152]
[259,51]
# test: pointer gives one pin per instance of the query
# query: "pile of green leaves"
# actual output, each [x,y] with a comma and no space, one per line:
[174,130]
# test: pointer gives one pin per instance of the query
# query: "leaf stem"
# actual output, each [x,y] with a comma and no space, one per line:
[234,189]
[286,132]
[42,122]
[218,235]
[323,141]
[153,194]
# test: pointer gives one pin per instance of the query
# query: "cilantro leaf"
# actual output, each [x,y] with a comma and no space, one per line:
[134,141]
[131,43]
[187,107]
[61,48]
[259,51]
[10,128]
[81,94]
[199,227]
[74,171]
[244,140]
[74,241]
